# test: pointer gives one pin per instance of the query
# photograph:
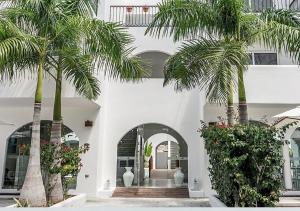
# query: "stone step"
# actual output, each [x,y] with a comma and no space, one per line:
[151,192]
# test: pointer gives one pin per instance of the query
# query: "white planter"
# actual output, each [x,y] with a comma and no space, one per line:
[128,177]
[178,177]
[146,173]
[75,201]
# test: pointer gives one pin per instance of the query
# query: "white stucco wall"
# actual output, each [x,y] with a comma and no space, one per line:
[130,105]
[74,116]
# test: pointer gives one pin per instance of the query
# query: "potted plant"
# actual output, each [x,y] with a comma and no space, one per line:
[129,9]
[145,8]
[147,154]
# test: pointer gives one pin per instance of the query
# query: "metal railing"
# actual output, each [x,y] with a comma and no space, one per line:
[133,16]
[142,16]
[261,5]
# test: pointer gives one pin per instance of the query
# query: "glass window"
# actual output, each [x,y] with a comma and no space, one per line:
[260,5]
[17,154]
[265,58]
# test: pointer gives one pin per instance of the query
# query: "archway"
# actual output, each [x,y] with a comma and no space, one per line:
[163,151]
[134,141]
[155,61]
[17,152]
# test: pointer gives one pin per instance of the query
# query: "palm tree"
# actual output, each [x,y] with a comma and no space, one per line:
[20,51]
[95,43]
[90,42]
[220,20]
[209,64]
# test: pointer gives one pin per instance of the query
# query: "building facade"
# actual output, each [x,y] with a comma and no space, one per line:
[168,119]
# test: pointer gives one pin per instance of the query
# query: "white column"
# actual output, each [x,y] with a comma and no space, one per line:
[287,167]
[169,155]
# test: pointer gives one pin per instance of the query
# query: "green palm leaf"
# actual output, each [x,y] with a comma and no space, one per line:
[78,69]
[206,63]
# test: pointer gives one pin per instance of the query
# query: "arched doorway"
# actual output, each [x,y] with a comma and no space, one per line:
[17,152]
[165,150]
[131,147]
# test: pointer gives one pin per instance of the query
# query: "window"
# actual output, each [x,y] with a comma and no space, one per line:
[17,153]
[259,5]
[263,59]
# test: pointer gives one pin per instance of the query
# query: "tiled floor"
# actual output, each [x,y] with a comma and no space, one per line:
[162,174]
[6,202]
[153,202]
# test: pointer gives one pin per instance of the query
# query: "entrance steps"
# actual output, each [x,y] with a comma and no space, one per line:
[138,192]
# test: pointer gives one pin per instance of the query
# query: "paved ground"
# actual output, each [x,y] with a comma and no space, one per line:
[6,202]
[149,202]
[289,202]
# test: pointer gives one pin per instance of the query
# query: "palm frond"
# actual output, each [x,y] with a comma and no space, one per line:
[183,19]
[109,44]
[18,51]
[280,29]
[208,64]
[78,69]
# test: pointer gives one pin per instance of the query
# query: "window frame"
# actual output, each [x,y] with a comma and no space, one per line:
[261,52]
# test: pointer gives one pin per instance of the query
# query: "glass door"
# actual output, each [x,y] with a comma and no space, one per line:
[295,163]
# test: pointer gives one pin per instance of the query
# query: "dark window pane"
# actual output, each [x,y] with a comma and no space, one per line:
[261,5]
[265,58]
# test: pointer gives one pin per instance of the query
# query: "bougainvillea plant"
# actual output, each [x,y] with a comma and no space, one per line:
[245,163]
[68,162]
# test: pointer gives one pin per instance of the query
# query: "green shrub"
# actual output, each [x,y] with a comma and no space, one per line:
[68,163]
[245,163]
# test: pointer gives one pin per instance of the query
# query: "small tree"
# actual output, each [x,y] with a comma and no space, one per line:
[147,153]
[245,163]
[66,163]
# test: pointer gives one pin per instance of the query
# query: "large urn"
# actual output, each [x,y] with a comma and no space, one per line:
[178,177]
[128,177]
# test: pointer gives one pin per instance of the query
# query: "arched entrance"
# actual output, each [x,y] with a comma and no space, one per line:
[163,151]
[131,153]
[17,152]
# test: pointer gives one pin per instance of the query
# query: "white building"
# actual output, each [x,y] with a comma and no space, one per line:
[123,109]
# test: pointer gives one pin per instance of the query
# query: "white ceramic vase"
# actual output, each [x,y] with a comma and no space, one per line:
[146,173]
[178,177]
[128,177]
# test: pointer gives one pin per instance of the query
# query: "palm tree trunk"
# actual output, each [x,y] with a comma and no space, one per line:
[230,109]
[55,182]
[243,110]
[33,188]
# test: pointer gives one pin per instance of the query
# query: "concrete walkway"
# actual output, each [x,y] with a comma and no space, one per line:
[148,202]
[289,202]
[4,202]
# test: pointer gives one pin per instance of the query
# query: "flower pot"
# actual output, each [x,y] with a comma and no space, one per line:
[128,177]
[146,173]
[178,177]
[145,8]
[129,9]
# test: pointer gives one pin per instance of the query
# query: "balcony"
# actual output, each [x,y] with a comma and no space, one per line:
[142,16]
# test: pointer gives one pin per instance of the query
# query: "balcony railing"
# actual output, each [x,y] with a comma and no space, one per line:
[141,16]
[133,16]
